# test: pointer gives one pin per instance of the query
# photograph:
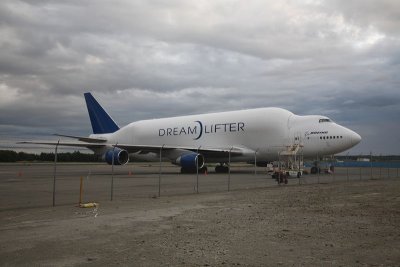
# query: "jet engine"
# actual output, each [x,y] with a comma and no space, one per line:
[121,157]
[190,161]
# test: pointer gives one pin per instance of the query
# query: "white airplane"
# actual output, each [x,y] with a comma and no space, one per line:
[190,141]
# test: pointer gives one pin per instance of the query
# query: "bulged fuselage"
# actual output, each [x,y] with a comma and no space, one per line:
[264,131]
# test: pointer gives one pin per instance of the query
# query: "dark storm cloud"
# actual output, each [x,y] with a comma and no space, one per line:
[149,59]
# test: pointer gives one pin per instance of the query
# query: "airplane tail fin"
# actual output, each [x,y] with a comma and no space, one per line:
[101,122]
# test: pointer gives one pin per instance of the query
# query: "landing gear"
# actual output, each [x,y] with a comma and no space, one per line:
[191,170]
[221,168]
[315,170]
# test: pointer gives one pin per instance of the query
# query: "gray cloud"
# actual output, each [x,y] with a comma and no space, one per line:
[148,59]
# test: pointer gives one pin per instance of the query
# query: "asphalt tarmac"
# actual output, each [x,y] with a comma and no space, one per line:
[350,218]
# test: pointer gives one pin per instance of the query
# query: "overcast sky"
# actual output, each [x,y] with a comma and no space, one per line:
[150,59]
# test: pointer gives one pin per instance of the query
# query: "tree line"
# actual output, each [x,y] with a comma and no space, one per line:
[76,156]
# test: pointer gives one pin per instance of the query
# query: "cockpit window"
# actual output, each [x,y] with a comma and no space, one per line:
[324,120]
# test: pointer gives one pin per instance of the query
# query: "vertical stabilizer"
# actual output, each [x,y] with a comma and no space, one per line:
[101,122]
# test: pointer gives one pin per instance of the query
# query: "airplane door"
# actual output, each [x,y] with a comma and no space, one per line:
[297,140]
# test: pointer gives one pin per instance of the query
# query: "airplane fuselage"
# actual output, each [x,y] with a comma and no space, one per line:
[190,141]
[264,131]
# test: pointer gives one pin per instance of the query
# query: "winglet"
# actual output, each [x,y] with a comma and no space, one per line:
[99,118]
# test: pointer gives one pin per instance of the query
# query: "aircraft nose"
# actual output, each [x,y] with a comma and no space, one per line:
[355,138]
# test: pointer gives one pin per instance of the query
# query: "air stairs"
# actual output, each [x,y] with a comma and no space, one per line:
[291,160]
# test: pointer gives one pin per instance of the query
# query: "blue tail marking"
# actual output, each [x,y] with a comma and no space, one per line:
[101,122]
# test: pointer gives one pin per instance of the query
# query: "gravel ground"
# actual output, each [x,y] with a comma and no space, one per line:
[336,224]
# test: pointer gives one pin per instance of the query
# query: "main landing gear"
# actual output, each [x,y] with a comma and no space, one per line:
[201,170]
[222,168]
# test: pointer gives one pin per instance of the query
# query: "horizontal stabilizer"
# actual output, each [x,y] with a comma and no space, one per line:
[62,143]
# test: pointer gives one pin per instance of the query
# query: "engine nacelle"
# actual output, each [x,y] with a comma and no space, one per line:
[121,157]
[190,161]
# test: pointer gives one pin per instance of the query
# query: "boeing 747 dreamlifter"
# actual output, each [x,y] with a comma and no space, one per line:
[190,141]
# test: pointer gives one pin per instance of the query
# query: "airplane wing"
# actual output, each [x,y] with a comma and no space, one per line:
[62,143]
[87,142]
[206,152]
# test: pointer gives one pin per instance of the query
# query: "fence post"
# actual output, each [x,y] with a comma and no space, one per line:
[319,167]
[159,172]
[80,190]
[370,160]
[334,169]
[197,170]
[229,170]
[279,168]
[55,173]
[112,173]
[255,162]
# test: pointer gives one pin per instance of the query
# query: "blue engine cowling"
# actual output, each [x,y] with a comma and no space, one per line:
[121,157]
[189,161]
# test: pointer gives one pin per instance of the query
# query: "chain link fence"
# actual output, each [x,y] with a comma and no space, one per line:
[31,184]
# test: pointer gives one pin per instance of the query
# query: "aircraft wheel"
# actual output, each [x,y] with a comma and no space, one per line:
[202,170]
[314,170]
[221,169]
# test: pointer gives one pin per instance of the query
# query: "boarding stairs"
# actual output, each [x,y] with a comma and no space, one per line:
[292,159]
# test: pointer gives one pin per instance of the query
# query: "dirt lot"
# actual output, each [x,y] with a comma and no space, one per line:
[336,224]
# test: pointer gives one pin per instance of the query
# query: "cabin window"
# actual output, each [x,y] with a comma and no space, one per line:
[324,120]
